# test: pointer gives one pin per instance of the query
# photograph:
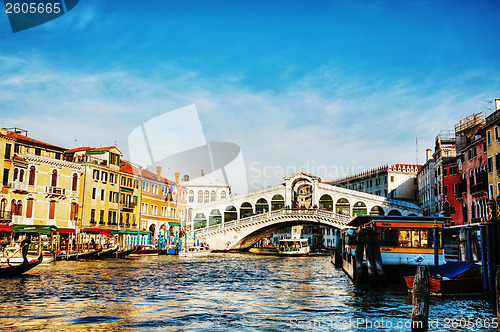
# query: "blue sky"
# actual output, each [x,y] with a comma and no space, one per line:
[345,85]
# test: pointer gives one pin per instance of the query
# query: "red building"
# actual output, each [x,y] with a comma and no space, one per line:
[452,192]
[474,183]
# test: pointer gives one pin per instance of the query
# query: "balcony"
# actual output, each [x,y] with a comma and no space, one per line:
[127,206]
[479,189]
[19,187]
[5,217]
[55,191]
[19,220]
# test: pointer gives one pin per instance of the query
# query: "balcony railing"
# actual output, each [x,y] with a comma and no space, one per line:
[55,191]
[5,217]
[127,205]
[479,188]
[19,187]
[18,220]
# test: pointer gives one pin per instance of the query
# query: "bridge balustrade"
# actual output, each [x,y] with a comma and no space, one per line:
[341,218]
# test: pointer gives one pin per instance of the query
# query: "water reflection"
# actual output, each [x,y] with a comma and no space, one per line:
[222,292]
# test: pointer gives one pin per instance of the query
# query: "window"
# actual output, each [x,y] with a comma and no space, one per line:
[490,164]
[58,155]
[14,177]
[94,193]
[445,172]
[497,161]
[488,137]
[223,194]
[21,175]
[52,209]
[29,208]
[212,196]
[191,196]
[92,216]
[53,180]
[74,182]
[7,150]
[101,217]
[111,178]
[496,134]
[206,196]
[392,178]
[104,177]
[469,154]
[38,152]
[32,176]
[5,176]
[103,194]
[95,174]
[74,211]
[200,195]
[445,189]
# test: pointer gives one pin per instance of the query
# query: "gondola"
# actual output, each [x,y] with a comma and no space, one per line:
[108,252]
[73,257]
[124,253]
[16,270]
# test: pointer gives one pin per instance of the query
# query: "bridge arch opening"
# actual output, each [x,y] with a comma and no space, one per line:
[200,221]
[215,217]
[302,194]
[359,209]
[230,214]
[277,202]
[377,211]
[246,210]
[262,206]
[343,206]
[394,213]
[326,202]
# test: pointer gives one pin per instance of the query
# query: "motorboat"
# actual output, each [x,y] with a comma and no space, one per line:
[293,247]
[195,251]
[145,250]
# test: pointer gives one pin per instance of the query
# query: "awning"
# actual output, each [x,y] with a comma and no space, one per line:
[42,229]
[364,219]
[173,223]
[130,232]
[453,269]
[97,231]
[6,228]
[66,230]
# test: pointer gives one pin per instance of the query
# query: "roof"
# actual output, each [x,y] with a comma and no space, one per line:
[29,140]
[204,181]
[150,175]
[89,149]
[128,168]
[364,219]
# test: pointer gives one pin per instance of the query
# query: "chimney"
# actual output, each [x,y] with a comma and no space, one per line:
[202,174]
[177,174]
[428,154]
[158,173]
[497,104]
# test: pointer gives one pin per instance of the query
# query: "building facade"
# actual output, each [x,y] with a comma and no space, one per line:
[426,186]
[397,181]
[492,132]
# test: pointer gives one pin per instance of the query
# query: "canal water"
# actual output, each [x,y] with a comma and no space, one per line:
[221,292]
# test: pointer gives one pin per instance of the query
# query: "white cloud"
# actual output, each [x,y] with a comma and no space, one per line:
[327,119]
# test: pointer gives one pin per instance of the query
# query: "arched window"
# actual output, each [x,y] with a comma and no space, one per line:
[32,176]
[16,171]
[21,175]
[129,182]
[74,183]
[3,206]
[191,196]
[13,207]
[222,194]
[53,180]
[200,196]
[206,196]
[212,196]
[19,208]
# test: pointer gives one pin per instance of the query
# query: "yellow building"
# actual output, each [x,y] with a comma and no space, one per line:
[163,208]
[39,187]
[492,129]
[109,197]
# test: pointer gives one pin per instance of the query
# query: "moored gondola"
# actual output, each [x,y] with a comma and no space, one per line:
[125,253]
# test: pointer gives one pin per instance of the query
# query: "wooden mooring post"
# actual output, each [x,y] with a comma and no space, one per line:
[421,288]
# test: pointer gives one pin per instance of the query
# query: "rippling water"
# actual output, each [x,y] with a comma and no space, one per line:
[220,292]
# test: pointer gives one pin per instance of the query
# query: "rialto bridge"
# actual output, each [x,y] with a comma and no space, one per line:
[238,222]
